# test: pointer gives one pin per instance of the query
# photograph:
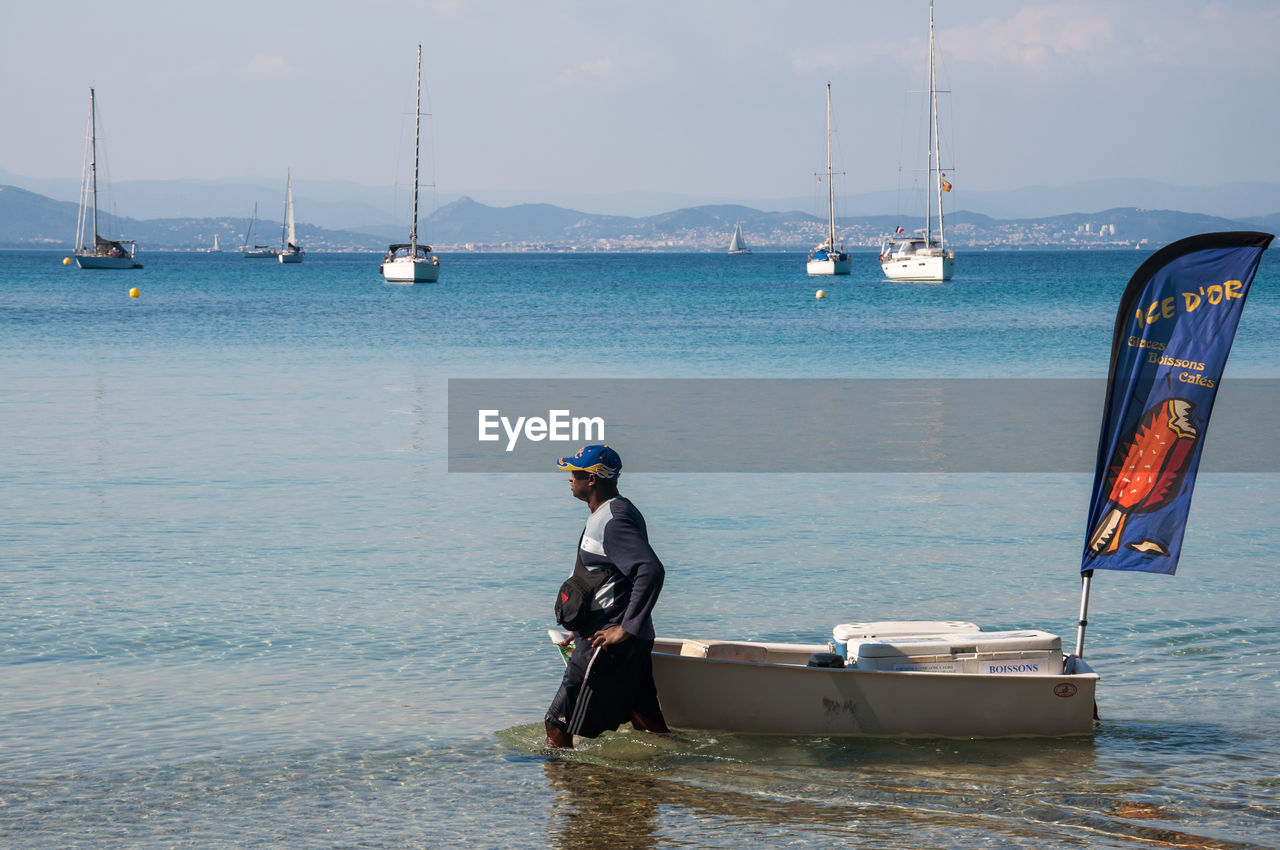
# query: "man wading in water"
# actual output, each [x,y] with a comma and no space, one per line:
[608,605]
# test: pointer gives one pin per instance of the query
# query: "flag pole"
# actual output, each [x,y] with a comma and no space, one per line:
[1086,580]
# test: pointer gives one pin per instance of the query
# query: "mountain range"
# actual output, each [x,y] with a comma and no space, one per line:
[32,220]
[345,205]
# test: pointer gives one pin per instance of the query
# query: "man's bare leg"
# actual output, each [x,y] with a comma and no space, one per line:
[646,723]
[557,737]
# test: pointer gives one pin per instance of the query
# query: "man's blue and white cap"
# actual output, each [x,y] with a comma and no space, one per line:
[599,460]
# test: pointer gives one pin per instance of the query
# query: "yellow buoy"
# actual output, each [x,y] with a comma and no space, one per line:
[821,294]
[133,293]
[66,261]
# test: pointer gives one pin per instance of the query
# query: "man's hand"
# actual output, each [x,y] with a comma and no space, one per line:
[609,636]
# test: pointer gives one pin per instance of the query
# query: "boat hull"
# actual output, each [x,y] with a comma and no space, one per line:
[92,261]
[829,267]
[788,699]
[255,254]
[290,256]
[919,268]
[406,270]
[768,688]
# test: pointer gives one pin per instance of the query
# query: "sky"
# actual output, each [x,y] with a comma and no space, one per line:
[719,99]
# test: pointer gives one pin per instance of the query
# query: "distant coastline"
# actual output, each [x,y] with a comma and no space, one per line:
[31,220]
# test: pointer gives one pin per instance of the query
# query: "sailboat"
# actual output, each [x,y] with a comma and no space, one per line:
[825,259]
[411,262]
[215,249]
[924,255]
[738,245]
[251,249]
[290,251]
[103,253]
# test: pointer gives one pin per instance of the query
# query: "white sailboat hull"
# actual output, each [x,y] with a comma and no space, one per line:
[92,261]
[290,256]
[926,268]
[410,270]
[259,253]
[829,267]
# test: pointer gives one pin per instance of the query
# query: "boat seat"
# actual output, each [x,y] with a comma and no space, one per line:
[724,650]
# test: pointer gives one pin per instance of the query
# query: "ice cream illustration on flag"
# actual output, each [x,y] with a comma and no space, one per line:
[1147,473]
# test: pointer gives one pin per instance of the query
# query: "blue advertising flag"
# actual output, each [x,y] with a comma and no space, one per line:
[1173,332]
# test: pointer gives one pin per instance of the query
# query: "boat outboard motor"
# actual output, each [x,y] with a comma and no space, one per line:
[825,659]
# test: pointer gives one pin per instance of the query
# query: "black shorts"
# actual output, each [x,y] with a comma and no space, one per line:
[602,688]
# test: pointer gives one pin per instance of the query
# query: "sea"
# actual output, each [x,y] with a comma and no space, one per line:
[245,603]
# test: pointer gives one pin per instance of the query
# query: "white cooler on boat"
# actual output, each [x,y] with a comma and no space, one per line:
[1021,653]
[849,636]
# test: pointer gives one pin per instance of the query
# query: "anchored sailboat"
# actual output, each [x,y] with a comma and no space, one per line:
[251,249]
[924,255]
[411,262]
[103,253]
[738,245]
[290,251]
[826,259]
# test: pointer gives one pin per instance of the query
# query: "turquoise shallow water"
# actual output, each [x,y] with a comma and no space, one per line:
[243,602]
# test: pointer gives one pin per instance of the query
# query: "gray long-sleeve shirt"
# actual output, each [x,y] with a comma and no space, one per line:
[615,536]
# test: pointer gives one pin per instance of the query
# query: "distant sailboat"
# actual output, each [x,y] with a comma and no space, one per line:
[738,245]
[251,249]
[826,259]
[215,249]
[290,251]
[924,255]
[103,253]
[411,262]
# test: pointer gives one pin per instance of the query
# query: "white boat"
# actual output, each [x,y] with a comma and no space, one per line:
[738,245]
[103,253]
[251,249]
[290,250]
[875,679]
[924,255]
[215,249]
[411,262]
[826,259]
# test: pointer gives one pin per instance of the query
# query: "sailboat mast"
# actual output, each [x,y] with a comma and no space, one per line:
[284,219]
[93,164]
[288,231]
[253,226]
[935,152]
[417,129]
[831,192]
